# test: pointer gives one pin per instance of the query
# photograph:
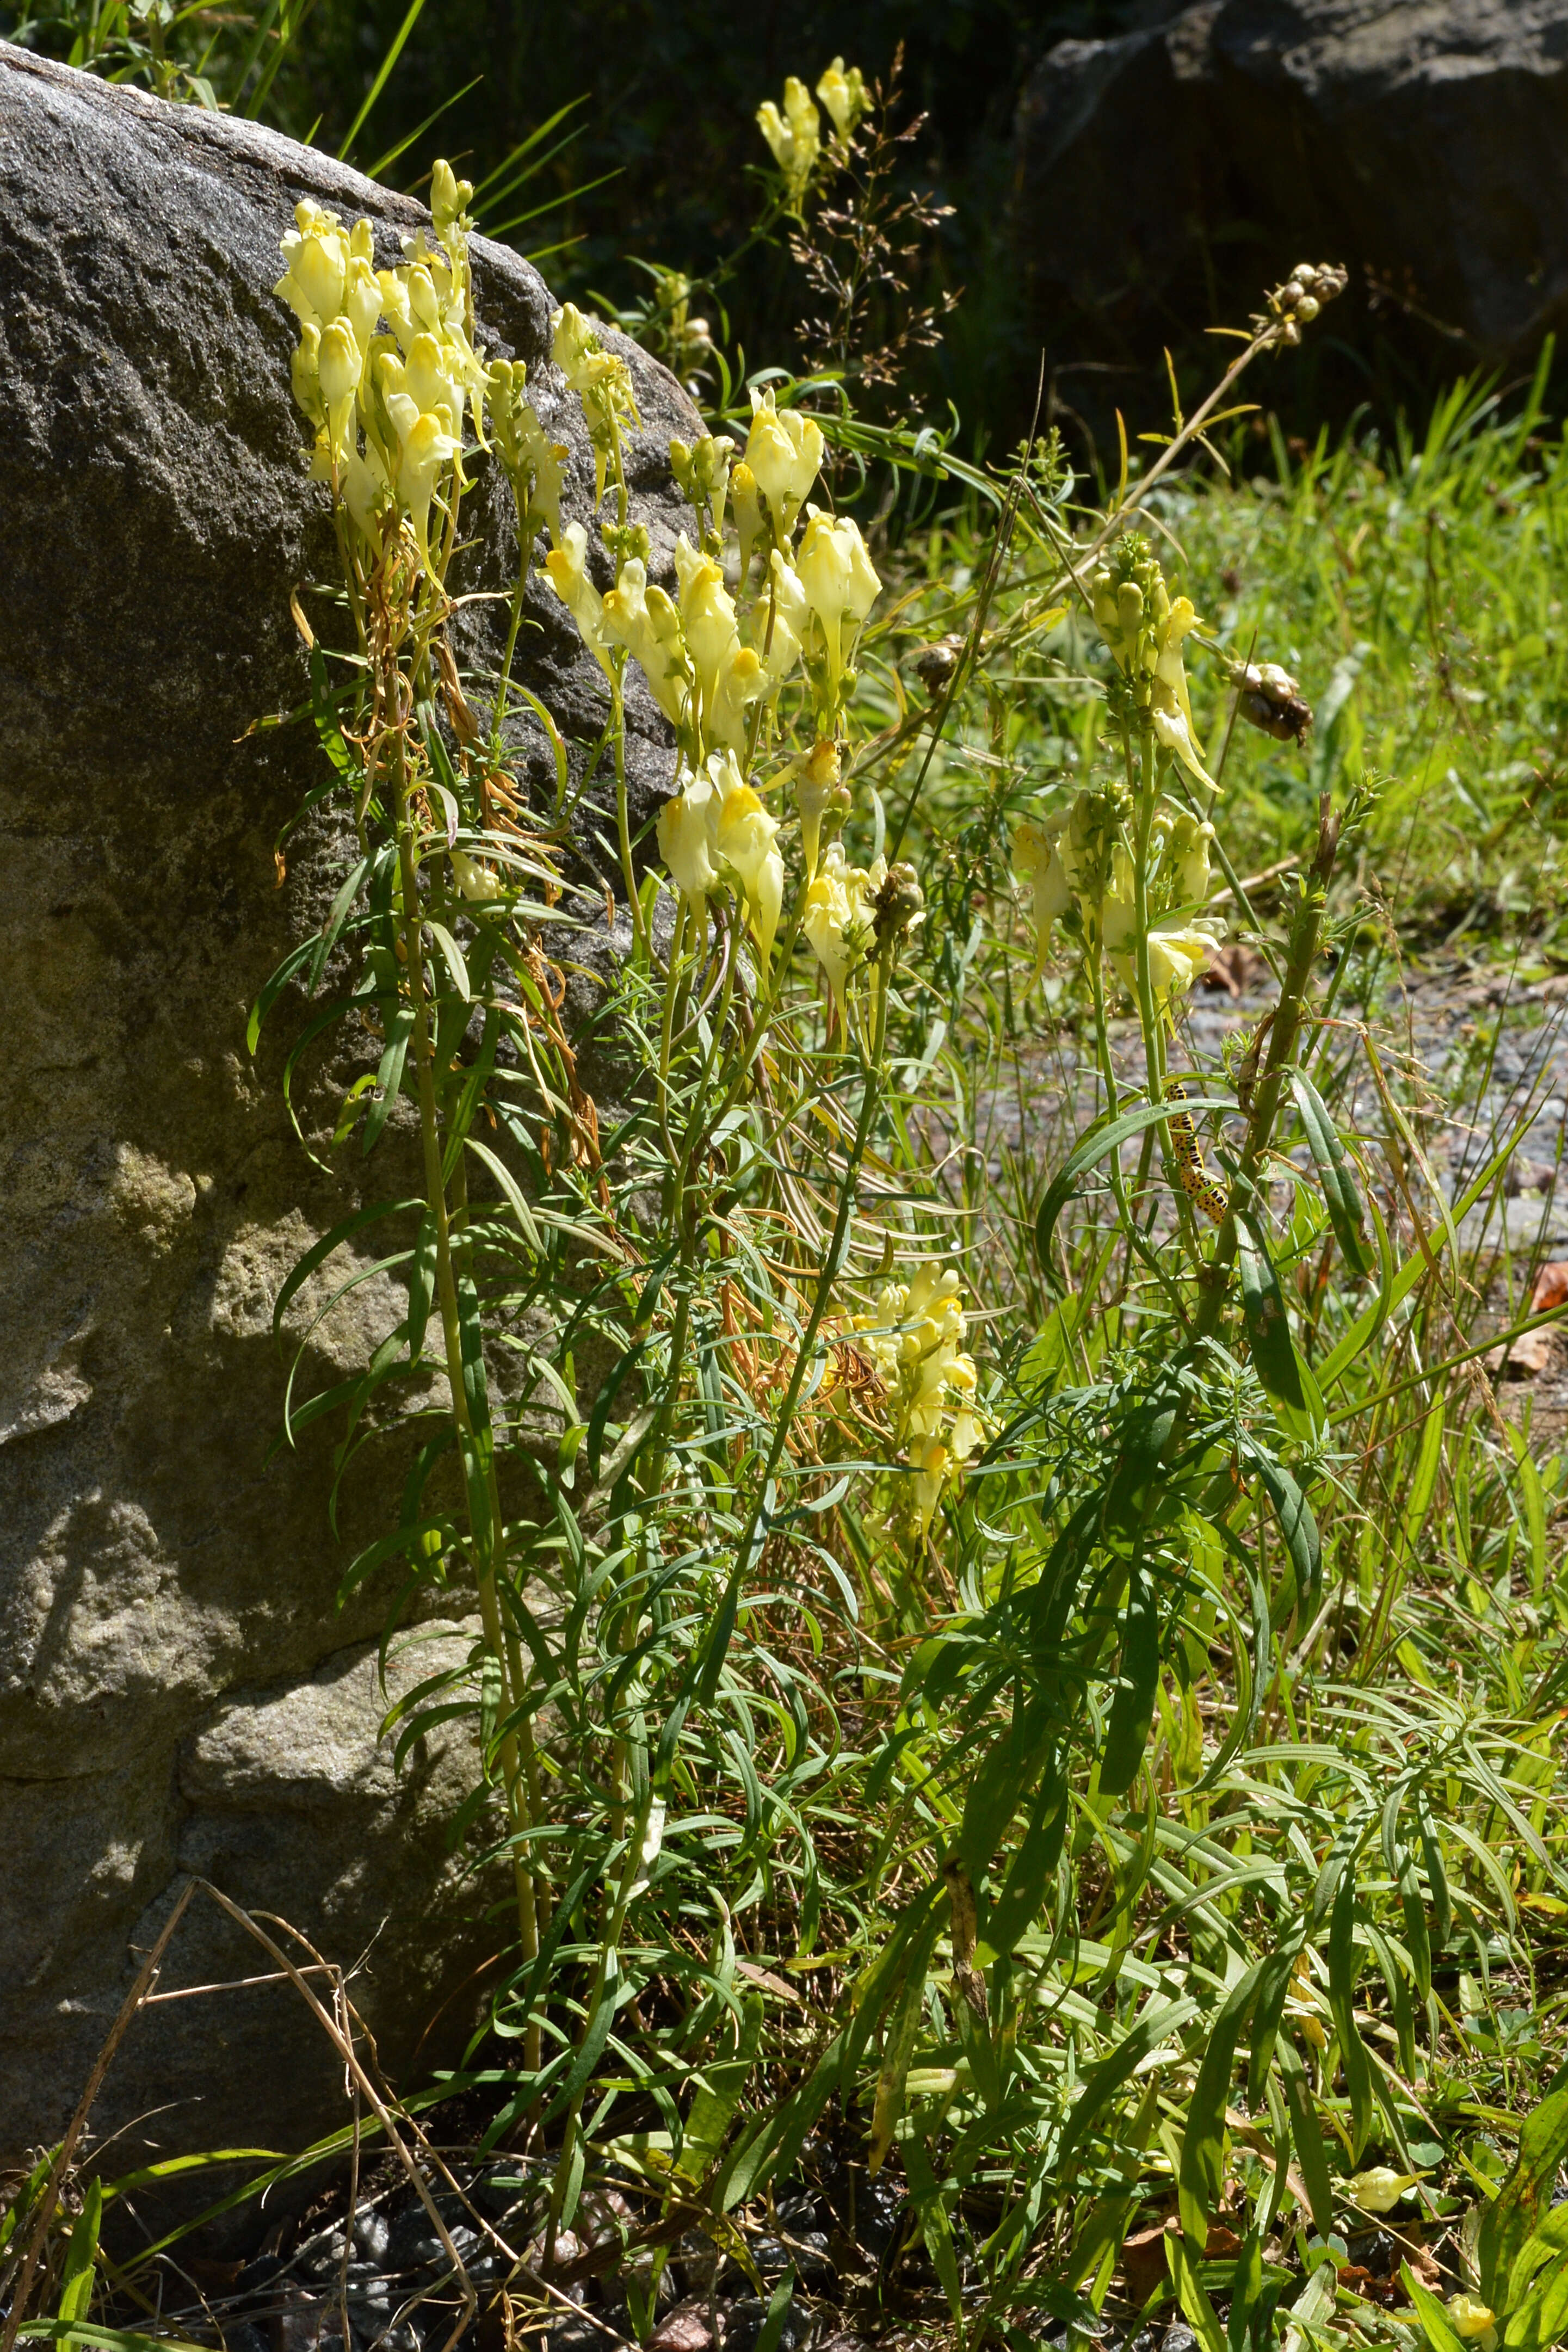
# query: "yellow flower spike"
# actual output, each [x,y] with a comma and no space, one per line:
[1035,857]
[840,583]
[1471,2320]
[745,837]
[783,457]
[817,782]
[795,137]
[644,620]
[844,97]
[602,381]
[567,567]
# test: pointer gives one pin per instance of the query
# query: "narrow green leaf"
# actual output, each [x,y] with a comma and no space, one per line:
[1335,1176]
[1268,1321]
[1133,1708]
[1202,2178]
[1515,2212]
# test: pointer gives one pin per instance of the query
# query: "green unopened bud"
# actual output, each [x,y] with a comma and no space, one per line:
[1129,608]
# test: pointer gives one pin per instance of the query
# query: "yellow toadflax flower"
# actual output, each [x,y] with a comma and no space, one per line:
[785,450]
[1035,857]
[646,621]
[796,138]
[838,920]
[840,583]
[845,96]
[744,838]
[567,569]
[1472,2321]
[916,1341]
[817,789]
[686,826]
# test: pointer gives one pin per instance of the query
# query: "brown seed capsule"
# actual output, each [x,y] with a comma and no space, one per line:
[899,904]
[937,663]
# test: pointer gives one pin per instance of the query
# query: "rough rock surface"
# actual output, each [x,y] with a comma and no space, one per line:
[1166,175]
[177,1691]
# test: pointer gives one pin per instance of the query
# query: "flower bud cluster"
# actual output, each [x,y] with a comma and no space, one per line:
[1144,627]
[1296,303]
[602,382]
[916,1342]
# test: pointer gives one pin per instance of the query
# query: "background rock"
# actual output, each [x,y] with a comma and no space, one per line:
[176,1688]
[1167,175]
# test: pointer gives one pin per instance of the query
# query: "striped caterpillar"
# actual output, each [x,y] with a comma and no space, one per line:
[1196,1183]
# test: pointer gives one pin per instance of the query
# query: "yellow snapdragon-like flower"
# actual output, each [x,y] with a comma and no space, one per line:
[687,827]
[838,920]
[475,882]
[750,522]
[1472,2321]
[646,622]
[795,136]
[785,450]
[1036,856]
[845,96]
[1189,852]
[1178,953]
[567,567]
[778,621]
[745,838]
[916,1340]
[317,252]
[840,583]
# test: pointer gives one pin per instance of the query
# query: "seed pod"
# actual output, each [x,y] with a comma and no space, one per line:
[937,662]
[899,904]
[1271,700]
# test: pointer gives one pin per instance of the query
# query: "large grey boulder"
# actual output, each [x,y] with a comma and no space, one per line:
[177,1689]
[1165,176]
